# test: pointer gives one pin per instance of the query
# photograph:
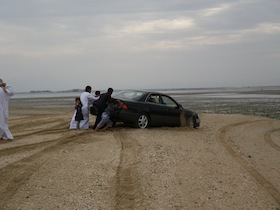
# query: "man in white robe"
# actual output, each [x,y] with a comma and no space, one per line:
[86,99]
[6,92]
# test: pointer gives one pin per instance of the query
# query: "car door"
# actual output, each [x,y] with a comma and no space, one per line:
[163,110]
[172,110]
[157,110]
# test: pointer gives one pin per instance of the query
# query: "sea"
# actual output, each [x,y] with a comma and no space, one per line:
[263,101]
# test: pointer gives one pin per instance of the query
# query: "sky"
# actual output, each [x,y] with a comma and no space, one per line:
[139,44]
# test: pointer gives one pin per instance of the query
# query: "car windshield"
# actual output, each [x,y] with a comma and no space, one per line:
[129,95]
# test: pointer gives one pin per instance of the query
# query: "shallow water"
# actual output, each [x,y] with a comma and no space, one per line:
[265,107]
[257,101]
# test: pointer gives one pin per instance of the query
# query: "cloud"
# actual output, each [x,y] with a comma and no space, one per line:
[215,10]
[137,36]
[222,8]
[158,26]
[211,38]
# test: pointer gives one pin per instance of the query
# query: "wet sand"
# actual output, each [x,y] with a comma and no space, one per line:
[231,162]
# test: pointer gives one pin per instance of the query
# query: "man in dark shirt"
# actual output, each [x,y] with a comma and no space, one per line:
[101,105]
[113,106]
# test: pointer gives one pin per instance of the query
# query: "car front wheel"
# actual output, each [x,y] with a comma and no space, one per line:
[142,121]
[191,122]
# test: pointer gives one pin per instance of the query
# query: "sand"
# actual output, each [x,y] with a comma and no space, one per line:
[230,162]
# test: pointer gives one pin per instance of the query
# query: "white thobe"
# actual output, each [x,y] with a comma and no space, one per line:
[4,112]
[86,100]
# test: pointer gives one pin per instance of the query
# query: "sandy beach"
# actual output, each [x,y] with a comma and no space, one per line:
[231,162]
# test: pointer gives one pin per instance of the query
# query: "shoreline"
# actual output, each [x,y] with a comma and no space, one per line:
[253,101]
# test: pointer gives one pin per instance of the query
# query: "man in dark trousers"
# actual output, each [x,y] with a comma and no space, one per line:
[101,105]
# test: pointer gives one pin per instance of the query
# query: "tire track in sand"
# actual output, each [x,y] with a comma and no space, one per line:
[33,146]
[25,148]
[33,122]
[33,125]
[16,174]
[221,137]
[267,137]
[128,191]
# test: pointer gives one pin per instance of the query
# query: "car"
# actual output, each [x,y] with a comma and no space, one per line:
[144,109]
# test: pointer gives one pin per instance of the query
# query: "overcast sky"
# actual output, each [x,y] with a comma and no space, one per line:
[139,44]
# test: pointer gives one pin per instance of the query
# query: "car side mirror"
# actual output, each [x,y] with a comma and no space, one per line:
[180,106]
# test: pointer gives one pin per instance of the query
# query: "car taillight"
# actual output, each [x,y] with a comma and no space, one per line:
[124,107]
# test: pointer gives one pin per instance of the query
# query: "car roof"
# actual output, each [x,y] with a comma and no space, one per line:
[145,94]
[144,91]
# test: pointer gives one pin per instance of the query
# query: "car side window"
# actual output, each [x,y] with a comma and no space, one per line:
[154,99]
[168,101]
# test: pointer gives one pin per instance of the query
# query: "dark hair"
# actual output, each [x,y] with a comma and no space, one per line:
[110,90]
[88,88]
[77,99]
[97,92]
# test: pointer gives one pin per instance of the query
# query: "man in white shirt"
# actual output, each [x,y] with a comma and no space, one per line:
[6,92]
[86,99]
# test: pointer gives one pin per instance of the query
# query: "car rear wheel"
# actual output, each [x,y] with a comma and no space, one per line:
[142,121]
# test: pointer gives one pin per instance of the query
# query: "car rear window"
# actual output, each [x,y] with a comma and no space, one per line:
[129,95]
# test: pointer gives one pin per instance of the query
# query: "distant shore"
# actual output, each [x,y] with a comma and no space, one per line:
[211,89]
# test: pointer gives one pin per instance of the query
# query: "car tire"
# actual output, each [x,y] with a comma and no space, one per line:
[142,121]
